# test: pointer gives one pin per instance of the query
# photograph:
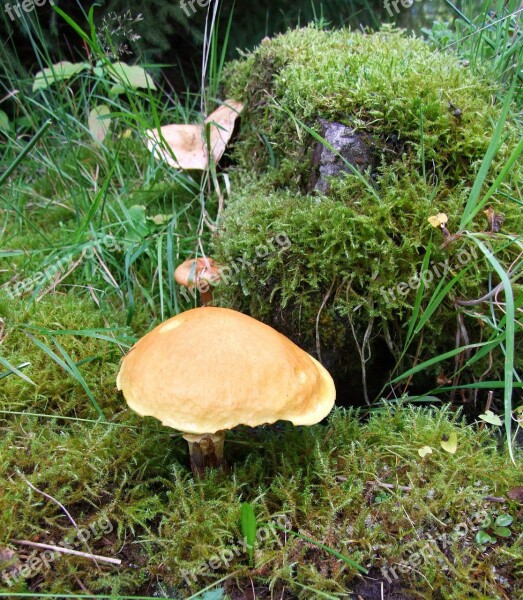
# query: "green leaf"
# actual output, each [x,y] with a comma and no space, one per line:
[132,76]
[486,523]
[98,124]
[117,88]
[450,445]
[15,370]
[61,71]
[140,227]
[249,529]
[4,121]
[490,417]
[502,532]
[482,537]
[160,219]
[503,521]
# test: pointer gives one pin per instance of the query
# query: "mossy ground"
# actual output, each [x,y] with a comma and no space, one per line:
[355,484]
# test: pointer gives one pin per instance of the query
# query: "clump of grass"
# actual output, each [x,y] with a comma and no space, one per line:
[72,350]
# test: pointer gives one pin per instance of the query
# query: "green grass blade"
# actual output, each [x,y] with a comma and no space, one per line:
[471,208]
[15,370]
[419,297]
[335,553]
[440,358]
[248,520]
[510,332]
[25,151]
[69,367]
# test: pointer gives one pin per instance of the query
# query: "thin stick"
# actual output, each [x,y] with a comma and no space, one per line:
[390,486]
[114,561]
[50,498]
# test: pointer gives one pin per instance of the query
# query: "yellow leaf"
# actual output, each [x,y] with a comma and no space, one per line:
[490,417]
[98,125]
[450,444]
[438,220]
[424,450]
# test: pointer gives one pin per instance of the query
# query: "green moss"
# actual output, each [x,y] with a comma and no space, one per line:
[346,285]
[381,84]
[166,526]
[55,390]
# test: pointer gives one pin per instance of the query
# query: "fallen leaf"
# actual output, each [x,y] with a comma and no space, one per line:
[516,494]
[4,121]
[424,450]
[490,417]
[221,123]
[60,71]
[185,147]
[99,126]
[438,220]
[442,379]
[450,443]
[132,76]
[495,220]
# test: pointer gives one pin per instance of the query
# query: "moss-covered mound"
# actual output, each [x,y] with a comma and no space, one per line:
[343,278]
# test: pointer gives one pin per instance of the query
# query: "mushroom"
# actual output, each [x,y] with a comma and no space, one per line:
[210,369]
[200,273]
[187,146]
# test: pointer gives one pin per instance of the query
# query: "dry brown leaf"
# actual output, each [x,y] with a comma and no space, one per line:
[516,494]
[495,220]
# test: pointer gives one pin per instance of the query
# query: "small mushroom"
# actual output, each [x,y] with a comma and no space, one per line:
[200,273]
[210,369]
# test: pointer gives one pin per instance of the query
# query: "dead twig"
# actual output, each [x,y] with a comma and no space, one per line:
[390,486]
[95,557]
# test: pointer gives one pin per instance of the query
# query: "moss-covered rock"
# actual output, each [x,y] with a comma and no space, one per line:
[345,283]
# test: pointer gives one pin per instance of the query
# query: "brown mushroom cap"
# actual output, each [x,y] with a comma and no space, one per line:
[188,141]
[210,369]
[192,270]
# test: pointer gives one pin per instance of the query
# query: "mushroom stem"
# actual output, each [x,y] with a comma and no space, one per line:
[205,450]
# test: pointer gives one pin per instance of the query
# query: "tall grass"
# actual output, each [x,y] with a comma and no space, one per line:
[115,220]
[493,43]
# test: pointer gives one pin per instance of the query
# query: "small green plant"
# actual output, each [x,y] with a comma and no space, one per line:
[490,531]
[249,529]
